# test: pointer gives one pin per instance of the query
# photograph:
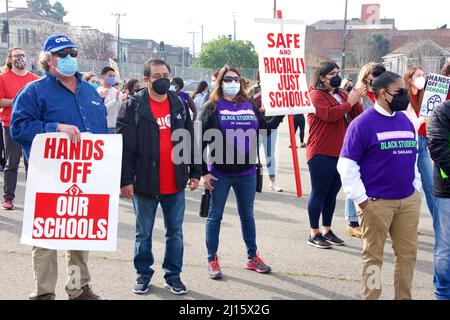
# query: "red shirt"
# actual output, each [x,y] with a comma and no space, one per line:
[167,178]
[328,126]
[10,85]
[371,96]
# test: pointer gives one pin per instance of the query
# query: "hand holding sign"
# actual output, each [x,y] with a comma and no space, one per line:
[72,194]
[73,132]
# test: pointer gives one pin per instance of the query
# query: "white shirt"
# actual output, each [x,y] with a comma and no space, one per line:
[350,172]
[198,100]
[112,105]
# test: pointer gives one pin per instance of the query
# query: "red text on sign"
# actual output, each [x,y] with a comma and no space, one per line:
[63,149]
[75,172]
[286,41]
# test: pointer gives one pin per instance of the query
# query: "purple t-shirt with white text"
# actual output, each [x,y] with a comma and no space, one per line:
[385,148]
[235,116]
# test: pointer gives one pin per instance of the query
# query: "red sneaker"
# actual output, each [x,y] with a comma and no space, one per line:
[8,204]
[214,271]
[258,265]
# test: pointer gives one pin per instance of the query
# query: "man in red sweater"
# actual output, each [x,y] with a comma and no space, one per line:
[11,82]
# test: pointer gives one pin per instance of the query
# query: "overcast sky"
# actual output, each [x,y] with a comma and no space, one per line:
[167,20]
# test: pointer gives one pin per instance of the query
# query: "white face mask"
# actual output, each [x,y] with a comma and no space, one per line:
[420,82]
[231,89]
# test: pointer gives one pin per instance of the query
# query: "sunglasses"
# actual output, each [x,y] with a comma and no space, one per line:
[63,54]
[231,79]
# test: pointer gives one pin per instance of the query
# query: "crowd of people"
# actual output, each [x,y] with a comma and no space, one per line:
[366,136]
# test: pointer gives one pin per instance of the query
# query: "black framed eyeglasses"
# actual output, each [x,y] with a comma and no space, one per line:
[63,54]
[231,79]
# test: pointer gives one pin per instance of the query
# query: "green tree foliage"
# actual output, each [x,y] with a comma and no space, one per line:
[46,9]
[217,53]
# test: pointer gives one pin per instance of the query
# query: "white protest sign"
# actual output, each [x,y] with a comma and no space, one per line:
[72,193]
[436,93]
[281,48]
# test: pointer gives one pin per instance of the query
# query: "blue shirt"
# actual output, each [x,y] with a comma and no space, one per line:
[45,103]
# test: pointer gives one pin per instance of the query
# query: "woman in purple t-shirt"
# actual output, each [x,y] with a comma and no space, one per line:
[378,168]
[231,125]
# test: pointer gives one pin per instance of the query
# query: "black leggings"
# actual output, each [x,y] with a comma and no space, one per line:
[300,122]
[325,186]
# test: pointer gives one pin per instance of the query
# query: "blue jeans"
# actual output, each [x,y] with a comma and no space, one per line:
[173,207]
[350,210]
[245,190]
[426,171]
[442,249]
[270,143]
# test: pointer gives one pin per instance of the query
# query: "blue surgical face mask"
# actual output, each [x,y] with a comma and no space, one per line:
[173,89]
[95,85]
[231,89]
[67,66]
[111,81]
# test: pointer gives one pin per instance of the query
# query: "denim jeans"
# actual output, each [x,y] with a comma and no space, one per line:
[350,210]
[245,189]
[442,249]
[270,143]
[173,207]
[426,171]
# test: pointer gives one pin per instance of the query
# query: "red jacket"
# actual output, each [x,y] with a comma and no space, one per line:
[328,126]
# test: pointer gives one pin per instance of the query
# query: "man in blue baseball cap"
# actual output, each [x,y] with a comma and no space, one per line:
[59,102]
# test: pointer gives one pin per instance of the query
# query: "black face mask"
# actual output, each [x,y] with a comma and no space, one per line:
[336,81]
[400,101]
[349,89]
[161,86]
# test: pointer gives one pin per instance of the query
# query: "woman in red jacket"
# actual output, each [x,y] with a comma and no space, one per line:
[335,109]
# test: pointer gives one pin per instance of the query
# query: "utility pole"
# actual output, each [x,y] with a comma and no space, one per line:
[344,41]
[193,43]
[7,23]
[203,40]
[182,56]
[274,9]
[119,51]
[202,26]
[234,21]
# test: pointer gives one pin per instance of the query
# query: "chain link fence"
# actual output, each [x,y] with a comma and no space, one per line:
[191,76]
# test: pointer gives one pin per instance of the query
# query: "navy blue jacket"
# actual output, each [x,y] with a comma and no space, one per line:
[45,103]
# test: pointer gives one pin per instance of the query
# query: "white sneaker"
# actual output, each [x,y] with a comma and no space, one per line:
[275,188]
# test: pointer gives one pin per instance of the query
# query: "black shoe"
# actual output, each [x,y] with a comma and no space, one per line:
[142,285]
[319,242]
[176,286]
[331,238]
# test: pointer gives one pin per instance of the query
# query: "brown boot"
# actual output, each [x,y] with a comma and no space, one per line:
[87,294]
